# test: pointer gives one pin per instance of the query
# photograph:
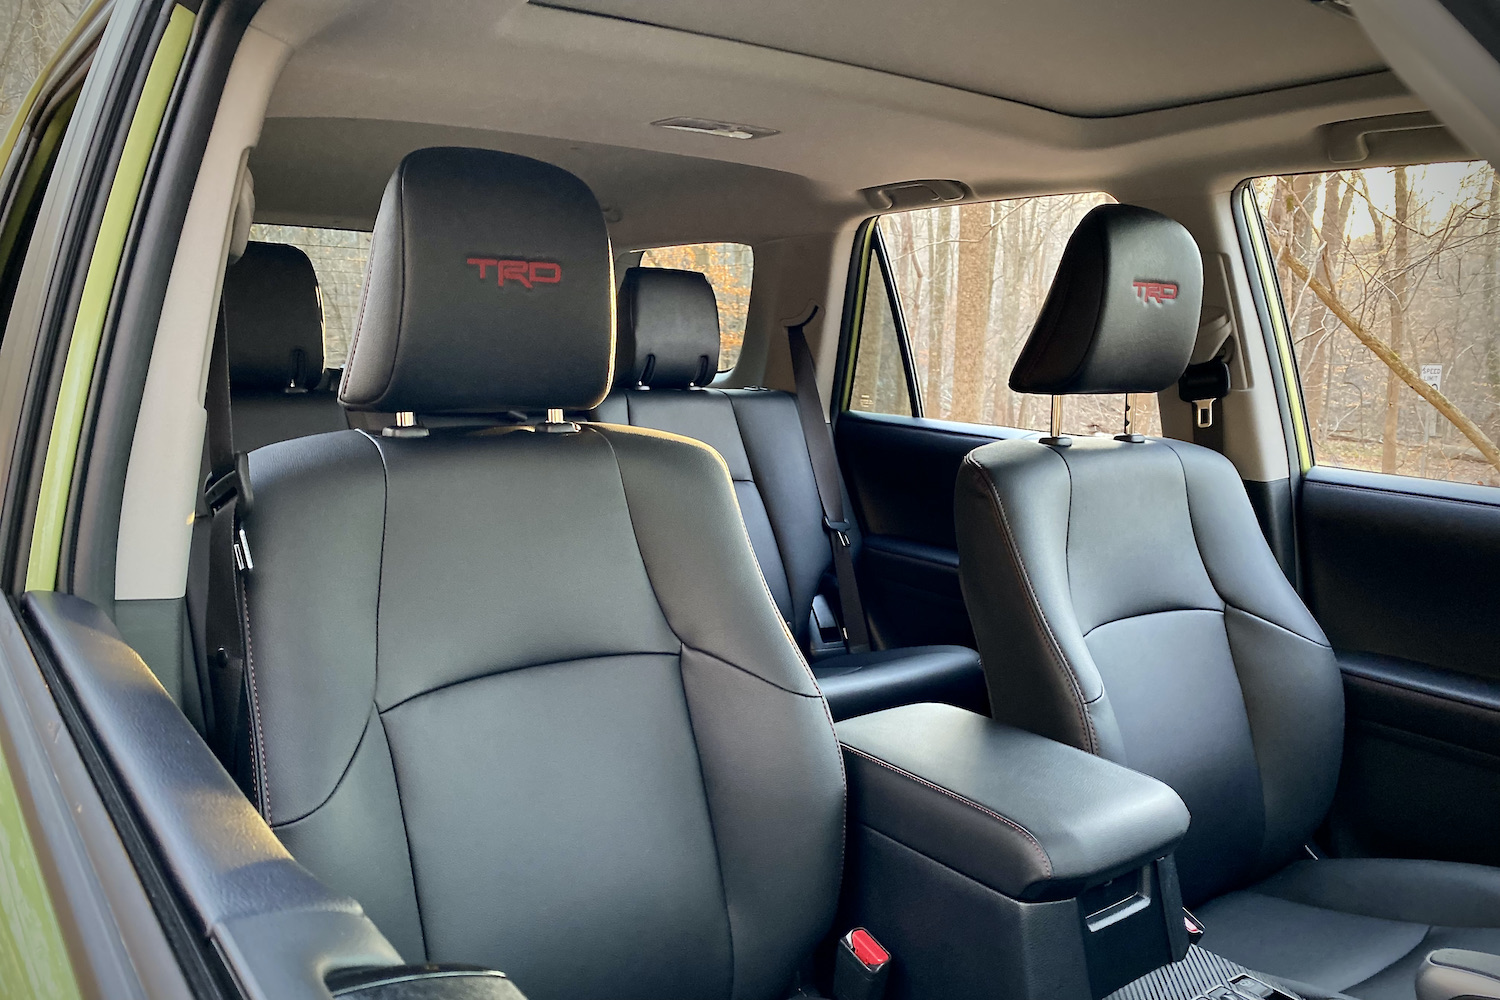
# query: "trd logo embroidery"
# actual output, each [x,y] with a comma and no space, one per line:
[526,273]
[1159,292]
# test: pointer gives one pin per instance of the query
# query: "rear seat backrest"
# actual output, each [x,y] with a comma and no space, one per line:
[273,318]
[668,340]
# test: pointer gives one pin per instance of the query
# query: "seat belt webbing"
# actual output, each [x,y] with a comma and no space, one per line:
[825,466]
[226,496]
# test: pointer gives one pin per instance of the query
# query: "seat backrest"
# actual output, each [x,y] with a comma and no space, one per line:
[1121,591]
[273,319]
[511,709]
[668,343]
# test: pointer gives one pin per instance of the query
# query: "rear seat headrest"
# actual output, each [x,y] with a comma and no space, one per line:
[1122,313]
[273,318]
[489,288]
[669,329]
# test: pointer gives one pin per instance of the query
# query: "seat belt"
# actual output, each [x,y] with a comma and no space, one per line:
[227,497]
[1203,385]
[825,465]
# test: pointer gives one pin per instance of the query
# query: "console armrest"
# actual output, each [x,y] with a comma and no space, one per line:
[1028,817]
[1449,973]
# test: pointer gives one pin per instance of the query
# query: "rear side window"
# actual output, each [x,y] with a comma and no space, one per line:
[1389,281]
[969,281]
[338,257]
[729,268]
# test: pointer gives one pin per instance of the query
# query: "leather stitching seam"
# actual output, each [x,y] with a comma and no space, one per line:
[261,774]
[1036,845]
[1034,606]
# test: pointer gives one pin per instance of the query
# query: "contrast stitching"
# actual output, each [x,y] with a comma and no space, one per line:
[261,772]
[1034,606]
[411,863]
[1277,625]
[771,602]
[1030,837]
[348,766]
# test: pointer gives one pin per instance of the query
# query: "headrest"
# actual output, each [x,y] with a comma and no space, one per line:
[273,319]
[489,288]
[668,329]
[1122,313]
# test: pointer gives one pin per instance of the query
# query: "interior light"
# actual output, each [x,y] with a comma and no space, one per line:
[707,126]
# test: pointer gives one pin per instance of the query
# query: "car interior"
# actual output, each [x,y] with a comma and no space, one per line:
[577,499]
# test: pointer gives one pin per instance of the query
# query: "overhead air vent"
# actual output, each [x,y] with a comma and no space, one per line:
[707,126]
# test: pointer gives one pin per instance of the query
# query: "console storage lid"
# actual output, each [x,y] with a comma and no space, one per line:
[1029,817]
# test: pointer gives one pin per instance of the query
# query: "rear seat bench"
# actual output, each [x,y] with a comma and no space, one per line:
[668,346]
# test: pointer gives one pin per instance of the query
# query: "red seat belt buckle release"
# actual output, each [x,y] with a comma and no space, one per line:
[861,967]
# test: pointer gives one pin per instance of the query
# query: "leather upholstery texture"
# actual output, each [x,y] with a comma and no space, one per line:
[1143,618]
[489,289]
[511,708]
[1026,816]
[274,319]
[668,329]
[1360,926]
[1122,312]
[499,768]
[669,323]
[273,322]
[1126,602]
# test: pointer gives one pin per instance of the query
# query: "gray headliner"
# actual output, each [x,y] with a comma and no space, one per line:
[1076,57]
[371,79]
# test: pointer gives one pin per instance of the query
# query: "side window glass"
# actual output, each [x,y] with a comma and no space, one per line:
[1390,285]
[971,281]
[879,368]
[729,268]
[338,257]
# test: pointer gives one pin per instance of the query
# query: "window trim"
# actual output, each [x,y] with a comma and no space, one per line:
[1270,304]
[104,268]
[898,317]
[868,243]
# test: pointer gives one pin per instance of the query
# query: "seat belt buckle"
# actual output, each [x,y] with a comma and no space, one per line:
[861,967]
[1203,385]
[1193,927]
[839,530]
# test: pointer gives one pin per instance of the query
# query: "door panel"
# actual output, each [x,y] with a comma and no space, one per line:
[1402,575]
[901,473]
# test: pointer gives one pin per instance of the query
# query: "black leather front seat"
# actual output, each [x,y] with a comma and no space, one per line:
[1126,602]
[511,708]
[668,346]
[273,318]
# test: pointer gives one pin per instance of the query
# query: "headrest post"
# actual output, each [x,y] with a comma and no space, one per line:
[556,423]
[406,426]
[1057,439]
[1130,436]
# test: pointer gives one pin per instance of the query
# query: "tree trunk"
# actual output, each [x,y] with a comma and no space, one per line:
[976,278]
[1399,368]
[937,312]
[1317,370]
[1399,260]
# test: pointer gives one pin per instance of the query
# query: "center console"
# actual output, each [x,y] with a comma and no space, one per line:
[995,862]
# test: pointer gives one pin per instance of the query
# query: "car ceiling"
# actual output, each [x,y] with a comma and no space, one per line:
[1007,96]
